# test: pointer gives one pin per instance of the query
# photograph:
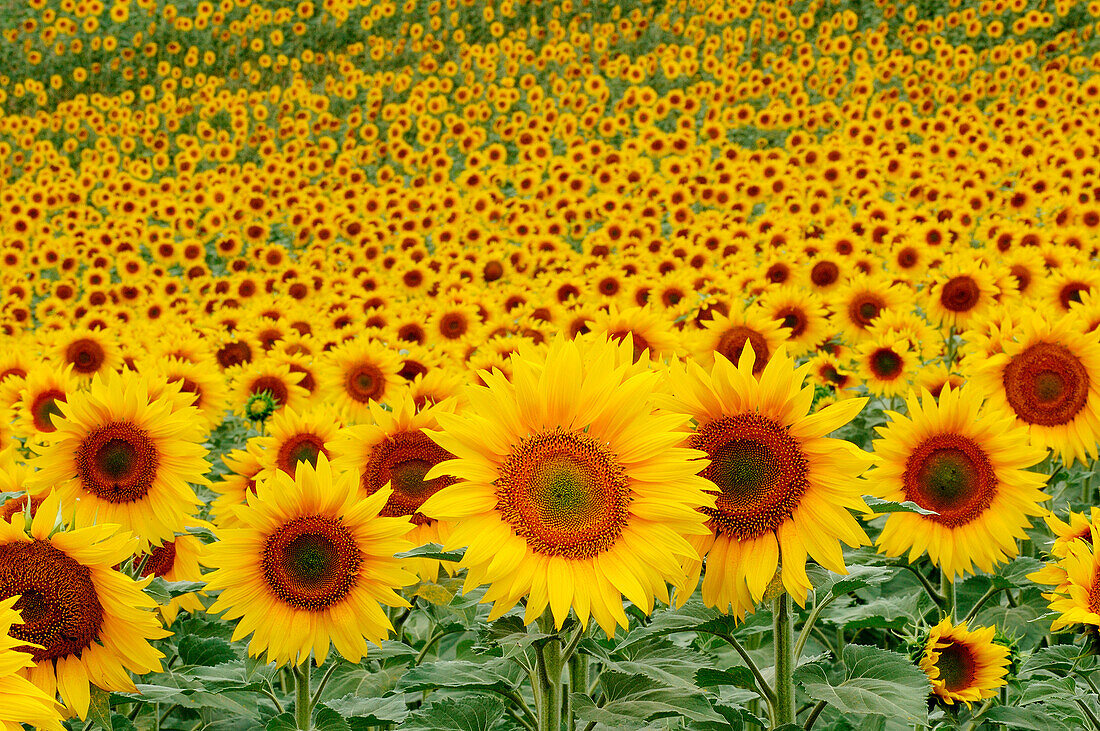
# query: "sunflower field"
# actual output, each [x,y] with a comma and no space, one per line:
[549,365]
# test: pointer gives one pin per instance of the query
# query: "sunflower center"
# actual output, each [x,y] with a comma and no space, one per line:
[1094,591]
[44,408]
[61,609]
[951,475]
[960,294]
[403,459]
[160,560]
[564,493]
[117,462]
[864,310]
[886,364]
[365,383]
[733,341]
[300,448]
[311,562]
[793,319]
[1046,384]
[759,470]
[956,667]
[86,355]
[274,386]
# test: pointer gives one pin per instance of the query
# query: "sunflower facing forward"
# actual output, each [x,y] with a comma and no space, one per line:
[572,491]
[965,461]
[308,565]
[964,665]
[783,489]
[119,456]
[90,622]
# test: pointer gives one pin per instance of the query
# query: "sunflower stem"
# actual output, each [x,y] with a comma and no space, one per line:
[321,686]
[578,682]
[303,713]
[947,590]
[549,660]
[783,637]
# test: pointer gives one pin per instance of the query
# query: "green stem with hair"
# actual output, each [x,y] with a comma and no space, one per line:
[783,638]
[549,661]
[303,706]
[947,590]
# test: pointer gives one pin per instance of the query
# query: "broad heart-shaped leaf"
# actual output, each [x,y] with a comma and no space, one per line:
[329,720]
[205,650]
[876,682]
[1058,660]
[370,711]
[889,612]
[507,637]
[497,675]
[282,722]
[1037,691]
[859,576]
[467,712]
[99,709]
[661,660]
[738,677]
[631,701]
[433,550]
[694,617]
[1034,718]
[1015,573]
[878,505]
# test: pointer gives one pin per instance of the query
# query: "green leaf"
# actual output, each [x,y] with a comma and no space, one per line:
[329,720]
[660,659]
[632,701]
[375,711]
[163,592]
[434,593]
[282,722]
[205,651]
[878,505]
[1059,660]
[859,576]
[876,682]
[738,677]
[1032,718]
[433,550]
[1015,573]
[468,712]
[99,709]
[497,675]
[1037,691]
[204,533]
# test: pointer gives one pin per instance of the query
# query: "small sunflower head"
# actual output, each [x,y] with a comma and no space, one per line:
[260,406]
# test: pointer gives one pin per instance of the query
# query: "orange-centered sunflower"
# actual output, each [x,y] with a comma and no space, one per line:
[964,665]
[782,487]
[308,566]
[20,700]
[572,491]
[1077,596]
[121,457]
[1049,377]
[965,461]
[84,620]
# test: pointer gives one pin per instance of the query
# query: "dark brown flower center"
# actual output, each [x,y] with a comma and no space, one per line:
[117,462]
[951,475]
[1046,384]
[311,562]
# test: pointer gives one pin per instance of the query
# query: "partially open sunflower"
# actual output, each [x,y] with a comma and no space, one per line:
[964,665]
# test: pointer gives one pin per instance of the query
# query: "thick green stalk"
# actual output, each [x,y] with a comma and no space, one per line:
[303,703]
[578,682]
[947,590]
[549,676]
[783,637]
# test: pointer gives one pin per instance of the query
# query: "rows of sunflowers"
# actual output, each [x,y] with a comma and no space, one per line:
[557,364]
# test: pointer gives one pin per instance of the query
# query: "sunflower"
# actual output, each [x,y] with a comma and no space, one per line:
[357,373]
[802,313]
[1079,528]
[727,335]
[571,490]
[1049,377]
[861,302]
[44,390]
[309,565]
[782,487]
[176,560]
[960,290]
[15,365]
[967,461]
[90,622]
[233,489]
[271,376]
[964,665]
[394,450]
[294,438]
[119,456]
[20,700]
[648,328]
[885,365]
[1076,598]
[88,351]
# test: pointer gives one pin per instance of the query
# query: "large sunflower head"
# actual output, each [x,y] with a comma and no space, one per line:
[308,565]
[571,490]
[84,621]
[20,700]
[1049,378]
[967,462]
[781,487]
[119,456]
[964,665]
